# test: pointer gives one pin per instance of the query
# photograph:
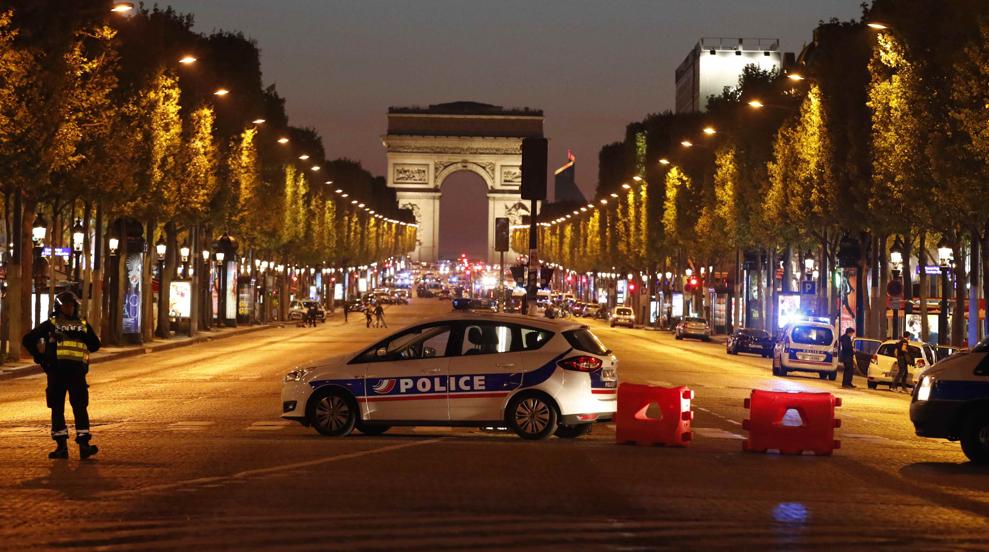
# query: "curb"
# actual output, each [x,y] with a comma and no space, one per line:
[135,351]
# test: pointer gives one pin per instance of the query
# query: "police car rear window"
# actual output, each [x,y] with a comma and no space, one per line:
[812,335]
[585,340]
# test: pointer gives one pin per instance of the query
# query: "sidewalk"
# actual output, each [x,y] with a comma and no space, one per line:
[108,353]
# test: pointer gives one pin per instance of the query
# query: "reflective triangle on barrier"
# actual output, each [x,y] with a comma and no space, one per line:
[650,412]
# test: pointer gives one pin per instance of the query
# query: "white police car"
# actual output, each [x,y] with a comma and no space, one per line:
[806,346]
[538,377]
[951,401]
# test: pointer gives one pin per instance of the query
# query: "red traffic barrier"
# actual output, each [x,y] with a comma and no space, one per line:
[650,415]
[791,422]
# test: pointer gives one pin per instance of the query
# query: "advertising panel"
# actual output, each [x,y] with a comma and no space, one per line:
[132,293]
[338,292]
[788,308]
[677,309]
[622,291]
[231,299]
[180,299]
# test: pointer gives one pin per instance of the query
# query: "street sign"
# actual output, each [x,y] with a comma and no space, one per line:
[808,287]
[63,252]
[501,234]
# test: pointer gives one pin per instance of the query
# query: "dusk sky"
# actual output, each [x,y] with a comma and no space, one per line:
[593,67]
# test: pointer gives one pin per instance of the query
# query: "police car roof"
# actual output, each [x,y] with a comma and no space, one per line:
[543,323]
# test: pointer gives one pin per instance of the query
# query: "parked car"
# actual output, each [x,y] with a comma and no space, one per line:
[696,327]
[806,347]
[590,310]
[444,295]
[297,310]
[622,316]
[750,340]
[883,366]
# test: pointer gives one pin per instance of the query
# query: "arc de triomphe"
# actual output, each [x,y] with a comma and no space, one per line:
[426,145]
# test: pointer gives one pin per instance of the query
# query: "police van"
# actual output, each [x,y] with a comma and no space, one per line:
[951,401]
[535,376]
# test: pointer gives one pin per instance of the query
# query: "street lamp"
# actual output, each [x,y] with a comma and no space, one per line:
[184,253]
[756,104]
[187,60]
[78,236]
[122,7]
[664,161]
[39,229]
[944,256]
[113,244]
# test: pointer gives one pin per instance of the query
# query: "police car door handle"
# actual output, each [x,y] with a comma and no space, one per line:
[505,365]
[435,370]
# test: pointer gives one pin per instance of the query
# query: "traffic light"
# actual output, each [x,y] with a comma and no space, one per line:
[631,286]
[534,168]
[501,234]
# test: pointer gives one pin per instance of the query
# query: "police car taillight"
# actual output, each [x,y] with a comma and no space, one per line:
[580,363]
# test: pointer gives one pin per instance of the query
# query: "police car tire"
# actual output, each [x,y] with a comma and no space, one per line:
[572,431]
[975,437]
[872,384]
[833,376]
[532,405]
[334,398]
[372,429]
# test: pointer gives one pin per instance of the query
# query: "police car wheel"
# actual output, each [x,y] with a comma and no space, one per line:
[872,384]
[333,413]
[572,431]
[833,376]
[975,437]
[532,417]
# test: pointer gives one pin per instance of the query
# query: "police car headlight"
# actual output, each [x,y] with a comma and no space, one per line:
[297,375]
[926,385]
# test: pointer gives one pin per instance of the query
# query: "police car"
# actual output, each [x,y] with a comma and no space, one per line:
[806,346]
[951,401]
[537,377]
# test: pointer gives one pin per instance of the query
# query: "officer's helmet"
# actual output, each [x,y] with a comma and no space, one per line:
[67,298]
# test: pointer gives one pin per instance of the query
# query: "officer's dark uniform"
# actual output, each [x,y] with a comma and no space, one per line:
[68,341]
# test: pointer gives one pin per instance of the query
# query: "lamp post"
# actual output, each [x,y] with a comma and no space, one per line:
[39,230]
[944,256]
[895,288]
[184,252]
[206,318]
[221,273]
[161,248]
[78,237]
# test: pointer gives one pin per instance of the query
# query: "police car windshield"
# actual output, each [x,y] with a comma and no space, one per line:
[812,335]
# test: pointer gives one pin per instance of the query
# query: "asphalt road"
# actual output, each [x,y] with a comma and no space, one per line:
[194,455]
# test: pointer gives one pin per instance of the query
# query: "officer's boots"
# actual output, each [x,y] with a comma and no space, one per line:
[85,449]
[61,451]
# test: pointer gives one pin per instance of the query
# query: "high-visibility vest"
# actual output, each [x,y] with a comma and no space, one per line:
[71,348]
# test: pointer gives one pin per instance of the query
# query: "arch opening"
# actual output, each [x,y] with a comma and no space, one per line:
[463,216]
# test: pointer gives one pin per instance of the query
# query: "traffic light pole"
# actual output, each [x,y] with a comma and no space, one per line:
[533,264]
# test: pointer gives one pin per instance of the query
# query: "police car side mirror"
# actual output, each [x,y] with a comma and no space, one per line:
[381,352]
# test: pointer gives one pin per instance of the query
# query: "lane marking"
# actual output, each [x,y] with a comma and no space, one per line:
[178,485]
[715,433]
[189,426]
[269,425]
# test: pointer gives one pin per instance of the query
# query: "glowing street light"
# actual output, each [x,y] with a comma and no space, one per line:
[637,178]
[756,104]
[795,77]
[686,143]
[604,202]
[258,121]
[221,92]
[283,140]
[625,186]
[710,131]
[315,168]
[303,157]
[876,26]
[664,161]
[122,7]
[187,60]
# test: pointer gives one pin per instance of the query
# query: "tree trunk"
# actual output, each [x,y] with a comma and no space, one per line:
[925,327]
[958,310]
[164,330]
[882,264]
[27,275]
[96,271]
[985,274]
[195,257]
[771,291]
[973,290]
[148,301]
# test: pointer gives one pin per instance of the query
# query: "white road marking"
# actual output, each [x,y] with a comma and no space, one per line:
[239,476]
[189,426]
[269,425]
[715,433]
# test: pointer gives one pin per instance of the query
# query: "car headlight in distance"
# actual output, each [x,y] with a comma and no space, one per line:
[924,392]
[297,375]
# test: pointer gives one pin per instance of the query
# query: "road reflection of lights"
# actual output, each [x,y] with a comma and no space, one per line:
[791,512]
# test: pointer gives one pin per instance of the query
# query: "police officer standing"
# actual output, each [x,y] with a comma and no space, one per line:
[65,344]
[846,352]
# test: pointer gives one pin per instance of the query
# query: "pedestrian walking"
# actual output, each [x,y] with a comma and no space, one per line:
[61,345]
[368,316]
[846,352]
[311,315]
[379,315]
[903,359]
[346,310]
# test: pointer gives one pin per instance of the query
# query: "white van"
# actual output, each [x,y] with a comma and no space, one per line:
[806,347]
[951,401]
